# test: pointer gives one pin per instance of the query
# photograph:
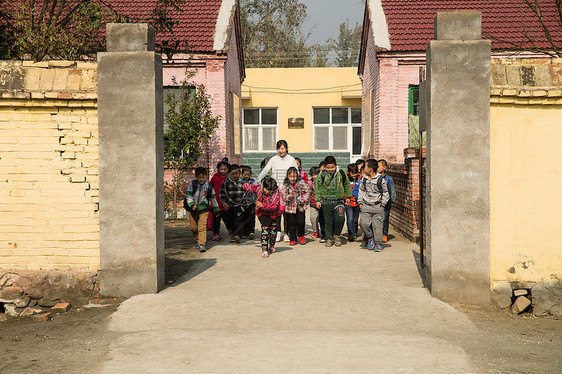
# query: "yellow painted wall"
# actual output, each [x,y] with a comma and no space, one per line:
[525,189]
[49,191]
[295,92]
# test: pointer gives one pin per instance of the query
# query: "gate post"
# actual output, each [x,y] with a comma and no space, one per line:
[130,120]
[458,160]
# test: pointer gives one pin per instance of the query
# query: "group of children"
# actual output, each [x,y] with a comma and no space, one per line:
[364,195]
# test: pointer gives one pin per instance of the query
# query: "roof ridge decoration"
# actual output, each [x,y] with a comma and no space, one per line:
[379,26]
[224,25]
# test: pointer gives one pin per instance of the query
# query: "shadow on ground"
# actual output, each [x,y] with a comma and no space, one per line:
[183,261]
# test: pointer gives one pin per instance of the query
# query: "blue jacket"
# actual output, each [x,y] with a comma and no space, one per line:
[391,189]
[355,188]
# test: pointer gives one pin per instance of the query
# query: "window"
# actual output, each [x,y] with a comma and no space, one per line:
[413,100]
[337,129]
[260,129]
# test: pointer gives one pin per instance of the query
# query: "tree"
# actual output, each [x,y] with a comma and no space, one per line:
[272,33]
[319,55]
[191,124]
[347,45]
[72,30]
[54,29]
[544,35]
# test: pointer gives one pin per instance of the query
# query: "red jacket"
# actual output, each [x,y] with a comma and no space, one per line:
[216,182]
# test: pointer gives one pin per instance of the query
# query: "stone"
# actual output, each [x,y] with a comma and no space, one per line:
[520,304]
[31,311]
[458,161]
[129,37]
[556,310]
[33,302]
[458,25]
[520,292]
[553,284]
[44,317]
[501,294]
[22,302]
[47,302]
[11,293]
[8,279]
[11,310]
[3,317]
[61,307]
[131,241]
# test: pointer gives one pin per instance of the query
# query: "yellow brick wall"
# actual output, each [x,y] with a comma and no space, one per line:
[525,180]
[49,180]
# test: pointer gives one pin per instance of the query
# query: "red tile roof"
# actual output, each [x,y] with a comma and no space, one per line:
[410,22]
[196,20]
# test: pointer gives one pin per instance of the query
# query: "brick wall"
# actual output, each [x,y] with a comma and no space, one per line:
[397,73]
[49,166]
[405,213]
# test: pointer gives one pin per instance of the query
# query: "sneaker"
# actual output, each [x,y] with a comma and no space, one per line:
[350,238]
[378,248]
[278,238]
[302,240]
[314,235]
[271,250]
[329,243]
[236,239]
[292,242]
[286,238]
[322,240]
[244,237]
[197,244]
[202,248]
[215,237]
[265,254]
[251,236]
[384,238]
[337,240]
[370,243]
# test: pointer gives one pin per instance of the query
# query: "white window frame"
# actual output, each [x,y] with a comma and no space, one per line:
[259,126]
[331,126]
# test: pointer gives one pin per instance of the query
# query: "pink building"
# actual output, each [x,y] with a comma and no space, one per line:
[392,60]
[211,31]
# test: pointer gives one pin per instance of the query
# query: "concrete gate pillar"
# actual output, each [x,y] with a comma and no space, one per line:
[130,115]
[458,161]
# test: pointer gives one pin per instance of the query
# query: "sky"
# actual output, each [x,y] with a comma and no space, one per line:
[327,15]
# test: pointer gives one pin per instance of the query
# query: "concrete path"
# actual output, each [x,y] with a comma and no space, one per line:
[306,309]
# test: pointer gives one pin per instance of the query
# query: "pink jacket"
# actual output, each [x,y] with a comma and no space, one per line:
[272,204]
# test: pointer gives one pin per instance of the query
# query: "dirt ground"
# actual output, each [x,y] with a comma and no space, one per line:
[75,342]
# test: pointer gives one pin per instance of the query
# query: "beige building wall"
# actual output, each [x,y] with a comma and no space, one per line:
[295,92]
[49,166]
[526,177]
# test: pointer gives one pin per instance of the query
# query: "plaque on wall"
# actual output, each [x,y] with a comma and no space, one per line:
[296,123]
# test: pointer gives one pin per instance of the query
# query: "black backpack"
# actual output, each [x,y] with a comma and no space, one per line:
[324,172]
